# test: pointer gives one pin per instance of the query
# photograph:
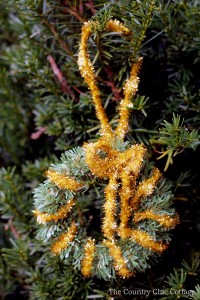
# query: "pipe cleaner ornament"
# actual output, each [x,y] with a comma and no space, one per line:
[137,213]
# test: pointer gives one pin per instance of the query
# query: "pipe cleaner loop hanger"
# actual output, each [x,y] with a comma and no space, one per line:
[87,72]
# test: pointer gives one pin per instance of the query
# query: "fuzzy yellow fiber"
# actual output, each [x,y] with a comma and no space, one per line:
[43,218]
[144,239]
[63,241]
[145,188]
[114,162]
[119,261]
[87,262]
[87,72]
[125,194]
[109,225]
[147,241]
[115,165]
[130,89]
[164,220]
[102,167]
[63,181]
[116,26]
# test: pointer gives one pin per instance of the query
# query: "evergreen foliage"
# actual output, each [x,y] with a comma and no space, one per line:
[46,108]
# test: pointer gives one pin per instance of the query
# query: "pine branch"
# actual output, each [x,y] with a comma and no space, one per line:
[176,138]
[58,38]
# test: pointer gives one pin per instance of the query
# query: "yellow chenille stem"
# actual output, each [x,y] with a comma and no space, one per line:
[86,70]
[130,89]
[131,163]
[145,188]
[119,261]
[63,181]
[87,262]
[109,225]
[145,240]
[164,220]
[125,194]
[116,26]
[103,168]
[132,159]
[63,241]
[43,218]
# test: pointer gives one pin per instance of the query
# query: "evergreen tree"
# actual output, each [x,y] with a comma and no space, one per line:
[47,109]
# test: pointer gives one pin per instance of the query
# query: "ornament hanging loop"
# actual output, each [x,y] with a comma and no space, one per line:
[87,72]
